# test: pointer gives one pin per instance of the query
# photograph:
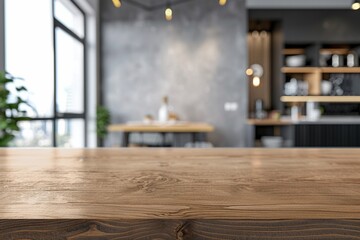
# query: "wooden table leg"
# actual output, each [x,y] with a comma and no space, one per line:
[125,139]
[193,137]
[163,139]
[174,139]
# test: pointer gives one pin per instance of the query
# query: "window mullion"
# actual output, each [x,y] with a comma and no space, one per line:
[67,116]
[55,77]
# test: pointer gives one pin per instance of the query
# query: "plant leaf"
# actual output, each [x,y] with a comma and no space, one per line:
[22,88]
[6,139]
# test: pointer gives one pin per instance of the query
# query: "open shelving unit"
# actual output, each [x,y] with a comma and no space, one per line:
[310,74]
[315,70]
[327,57]
[299,69]
[323,99]
[321,69]
[340,69]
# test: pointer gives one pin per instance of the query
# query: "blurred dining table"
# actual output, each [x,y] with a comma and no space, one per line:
[197,130]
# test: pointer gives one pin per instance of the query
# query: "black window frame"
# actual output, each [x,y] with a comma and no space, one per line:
[69,116]
[58,115]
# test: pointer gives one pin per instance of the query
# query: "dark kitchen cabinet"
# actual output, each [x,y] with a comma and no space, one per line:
[327,135]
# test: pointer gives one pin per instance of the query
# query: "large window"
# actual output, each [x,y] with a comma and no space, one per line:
[45,45]
[29,50]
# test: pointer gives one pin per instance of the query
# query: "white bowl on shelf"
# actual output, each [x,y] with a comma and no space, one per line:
[272,141]
[295,61]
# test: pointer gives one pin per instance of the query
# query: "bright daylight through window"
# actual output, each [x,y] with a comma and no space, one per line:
[33,29]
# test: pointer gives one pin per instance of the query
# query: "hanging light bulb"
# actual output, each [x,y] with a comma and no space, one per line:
[355,5]
[256,71]
[222,2]
[256,81]
[117,3]
[249,71]
[168,13]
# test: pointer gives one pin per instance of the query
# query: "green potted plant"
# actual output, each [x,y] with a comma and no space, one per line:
[11,100]
[102,121]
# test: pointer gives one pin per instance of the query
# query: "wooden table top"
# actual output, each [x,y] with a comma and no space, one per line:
[180,184]
[269,122]
[185,127]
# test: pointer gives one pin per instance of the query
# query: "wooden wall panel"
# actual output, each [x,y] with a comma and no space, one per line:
[259,45]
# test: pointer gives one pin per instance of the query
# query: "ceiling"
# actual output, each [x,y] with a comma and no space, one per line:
[272,4]
[299,4]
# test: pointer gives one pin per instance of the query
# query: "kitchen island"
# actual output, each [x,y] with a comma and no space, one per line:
[331,131]
[180,194]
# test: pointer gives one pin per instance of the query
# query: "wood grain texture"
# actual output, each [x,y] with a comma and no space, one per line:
[281,229]
[322,69]
[330,99]
[143,184]
[176,127]
[299,69]
[293,51]
[269,122]
[99,194]
[89,229]
[180,230]
[330,51]
[340,70]
[314,82]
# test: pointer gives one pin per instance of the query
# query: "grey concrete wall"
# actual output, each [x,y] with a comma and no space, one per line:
[2,36]
[198,60]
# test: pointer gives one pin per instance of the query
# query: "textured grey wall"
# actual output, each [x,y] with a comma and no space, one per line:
[198,59]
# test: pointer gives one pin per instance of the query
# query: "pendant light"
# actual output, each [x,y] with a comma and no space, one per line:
[222,2]
[355,5]
[117,3]
[255,71]
[168,12]
[168,4]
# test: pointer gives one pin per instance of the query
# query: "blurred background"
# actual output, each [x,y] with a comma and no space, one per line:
[190,73]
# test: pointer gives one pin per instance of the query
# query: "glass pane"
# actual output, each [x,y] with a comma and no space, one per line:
[34,134]
[69,15]
[70,73]
[29,51]
[70,133]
